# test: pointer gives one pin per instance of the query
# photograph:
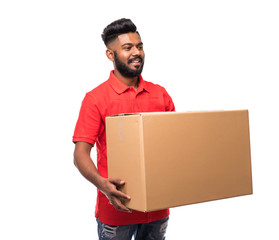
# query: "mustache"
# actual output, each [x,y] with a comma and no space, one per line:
[135,58]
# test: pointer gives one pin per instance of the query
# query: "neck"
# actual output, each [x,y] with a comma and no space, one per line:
[131,82]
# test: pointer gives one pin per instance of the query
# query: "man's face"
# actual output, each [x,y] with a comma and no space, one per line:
[128,54]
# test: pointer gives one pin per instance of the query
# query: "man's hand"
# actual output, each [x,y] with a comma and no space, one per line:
[110,188]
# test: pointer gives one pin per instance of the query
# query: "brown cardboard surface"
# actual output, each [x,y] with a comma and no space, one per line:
[173,159]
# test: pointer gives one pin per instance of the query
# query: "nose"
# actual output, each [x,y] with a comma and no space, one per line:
[136,51]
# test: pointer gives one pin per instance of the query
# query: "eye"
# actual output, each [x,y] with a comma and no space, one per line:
[140,47]
[127,48]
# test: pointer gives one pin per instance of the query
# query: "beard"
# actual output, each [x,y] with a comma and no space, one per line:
[125,70]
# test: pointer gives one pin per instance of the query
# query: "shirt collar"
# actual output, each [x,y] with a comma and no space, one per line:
[121,87]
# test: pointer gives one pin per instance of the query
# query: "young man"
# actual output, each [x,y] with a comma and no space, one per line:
[124,92]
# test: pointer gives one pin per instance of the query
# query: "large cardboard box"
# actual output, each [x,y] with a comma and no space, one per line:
[170,159]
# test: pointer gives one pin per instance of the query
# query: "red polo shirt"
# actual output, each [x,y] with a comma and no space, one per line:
[114,97]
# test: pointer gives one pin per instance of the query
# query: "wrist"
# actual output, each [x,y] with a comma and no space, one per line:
[100,182]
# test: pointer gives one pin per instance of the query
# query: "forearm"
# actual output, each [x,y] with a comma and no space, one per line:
[87,168]
[109,186]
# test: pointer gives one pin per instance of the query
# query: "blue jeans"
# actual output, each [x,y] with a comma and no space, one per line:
[146,231]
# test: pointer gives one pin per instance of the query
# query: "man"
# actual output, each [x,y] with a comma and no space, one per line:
[124,92]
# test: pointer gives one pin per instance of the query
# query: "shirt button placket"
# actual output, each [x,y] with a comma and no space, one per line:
[133,99]
[137,105]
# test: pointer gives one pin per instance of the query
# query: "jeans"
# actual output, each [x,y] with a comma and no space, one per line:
[146,231]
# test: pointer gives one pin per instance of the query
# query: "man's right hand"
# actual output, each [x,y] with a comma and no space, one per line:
[110,188]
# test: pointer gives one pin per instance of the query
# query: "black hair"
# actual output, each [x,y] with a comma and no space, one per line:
[116,28]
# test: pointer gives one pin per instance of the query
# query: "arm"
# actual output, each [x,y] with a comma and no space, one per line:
[108,186]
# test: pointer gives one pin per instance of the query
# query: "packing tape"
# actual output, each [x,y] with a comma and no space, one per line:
[121,129]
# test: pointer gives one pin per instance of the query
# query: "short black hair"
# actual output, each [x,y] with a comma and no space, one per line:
[116,28]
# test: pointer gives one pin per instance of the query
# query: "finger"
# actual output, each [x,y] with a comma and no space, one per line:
[120,194]
[119,206]
[117,182]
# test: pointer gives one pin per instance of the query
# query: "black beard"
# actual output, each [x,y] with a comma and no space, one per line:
[125,70]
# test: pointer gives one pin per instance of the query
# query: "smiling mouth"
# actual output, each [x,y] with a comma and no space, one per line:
[135,61]
[136,64]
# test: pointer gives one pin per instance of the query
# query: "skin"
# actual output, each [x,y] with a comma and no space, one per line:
[108,186]
[127,46]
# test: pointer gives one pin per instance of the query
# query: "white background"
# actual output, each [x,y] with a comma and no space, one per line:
[209,55]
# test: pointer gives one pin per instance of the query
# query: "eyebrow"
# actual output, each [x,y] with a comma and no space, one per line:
[130,44]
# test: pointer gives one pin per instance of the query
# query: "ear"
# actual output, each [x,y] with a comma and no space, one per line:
[110,55]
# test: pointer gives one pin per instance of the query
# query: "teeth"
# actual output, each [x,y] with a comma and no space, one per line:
[136,61]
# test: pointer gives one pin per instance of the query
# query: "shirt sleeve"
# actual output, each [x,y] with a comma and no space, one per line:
[169,105]
[89,121]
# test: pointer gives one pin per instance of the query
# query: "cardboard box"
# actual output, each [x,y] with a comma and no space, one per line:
[170,159]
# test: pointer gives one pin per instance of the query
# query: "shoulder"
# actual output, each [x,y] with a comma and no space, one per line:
[98,90]
[158,90]
[97,93]
[155,87]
